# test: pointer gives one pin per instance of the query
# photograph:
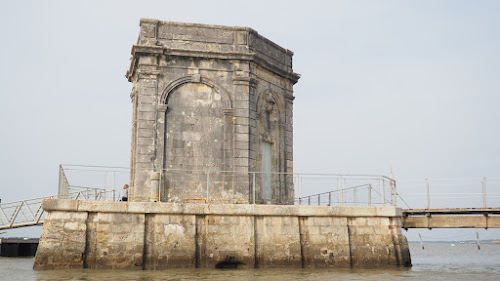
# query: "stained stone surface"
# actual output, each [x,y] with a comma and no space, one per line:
[206,99]
[143,235]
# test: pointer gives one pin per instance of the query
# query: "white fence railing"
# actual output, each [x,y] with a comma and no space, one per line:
[438,193]
[29,212]
[212,186]
[97,183]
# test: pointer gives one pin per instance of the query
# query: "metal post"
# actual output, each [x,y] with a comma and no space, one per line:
[113,179]
[160,180]
[383,190]
[105,179]
[319,200]
[329,198]
[63,192]
[341,192]
[298,187]
[208,185]
[253,187]
[485,199]
[427,192]
[309,200]
[369,195]
[59,195]
[478,243]
[355,195]
[392,192]
[395,192]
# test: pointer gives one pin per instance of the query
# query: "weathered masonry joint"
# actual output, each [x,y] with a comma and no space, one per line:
[212,100]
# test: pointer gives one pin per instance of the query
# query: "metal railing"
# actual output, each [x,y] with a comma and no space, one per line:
[359,195]
[439,193]
[240,187]
[29,212]
[80,182]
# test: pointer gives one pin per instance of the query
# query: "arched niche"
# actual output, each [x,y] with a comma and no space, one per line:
[271,155]
[198,137]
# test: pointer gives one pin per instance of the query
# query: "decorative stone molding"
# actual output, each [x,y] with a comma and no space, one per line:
[245,81]
[194,78]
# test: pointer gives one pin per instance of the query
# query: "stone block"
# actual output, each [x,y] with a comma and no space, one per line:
[143,106]
[120,249]
[146,115]
[277,242]
[62,243]
[170,241]
[59,204]
[145,133]
[146,100]
[234,245]
[144,158]
[146,124]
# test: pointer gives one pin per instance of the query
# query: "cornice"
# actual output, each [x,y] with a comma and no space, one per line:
[140,50]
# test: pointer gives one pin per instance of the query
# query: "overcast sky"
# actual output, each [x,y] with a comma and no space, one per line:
[409,84]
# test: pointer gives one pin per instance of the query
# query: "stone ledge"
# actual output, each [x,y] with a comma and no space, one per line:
[217,209]
[138,50]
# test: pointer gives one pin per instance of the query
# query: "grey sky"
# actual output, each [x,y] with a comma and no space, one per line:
[408,84]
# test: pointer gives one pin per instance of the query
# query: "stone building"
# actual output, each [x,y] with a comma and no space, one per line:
[212,115]
[213,105]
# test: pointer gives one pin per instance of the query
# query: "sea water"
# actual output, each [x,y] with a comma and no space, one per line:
[438,261]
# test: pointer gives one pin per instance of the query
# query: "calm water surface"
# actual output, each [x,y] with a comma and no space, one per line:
[437,262]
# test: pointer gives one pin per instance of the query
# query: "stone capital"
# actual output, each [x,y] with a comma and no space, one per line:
[162,108]
[245,81]
[146,73]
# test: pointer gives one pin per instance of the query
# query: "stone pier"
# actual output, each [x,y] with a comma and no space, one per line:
[213,105]
[142,235]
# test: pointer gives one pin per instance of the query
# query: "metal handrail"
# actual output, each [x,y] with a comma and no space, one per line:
[22,213]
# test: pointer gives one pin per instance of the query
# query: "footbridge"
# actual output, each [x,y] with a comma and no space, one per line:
[451,218]
[479,196]
[29,212]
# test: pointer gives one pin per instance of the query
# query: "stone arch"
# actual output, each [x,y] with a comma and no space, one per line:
[196,78]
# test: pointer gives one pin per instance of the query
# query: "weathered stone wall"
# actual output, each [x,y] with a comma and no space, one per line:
[64,240]
[135,235]
[205,99]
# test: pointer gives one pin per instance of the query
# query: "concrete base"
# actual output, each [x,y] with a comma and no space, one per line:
[136,235]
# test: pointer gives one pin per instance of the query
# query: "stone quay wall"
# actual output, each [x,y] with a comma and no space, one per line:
[156,235]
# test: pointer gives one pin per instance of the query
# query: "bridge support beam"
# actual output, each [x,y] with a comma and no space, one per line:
[455,221]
